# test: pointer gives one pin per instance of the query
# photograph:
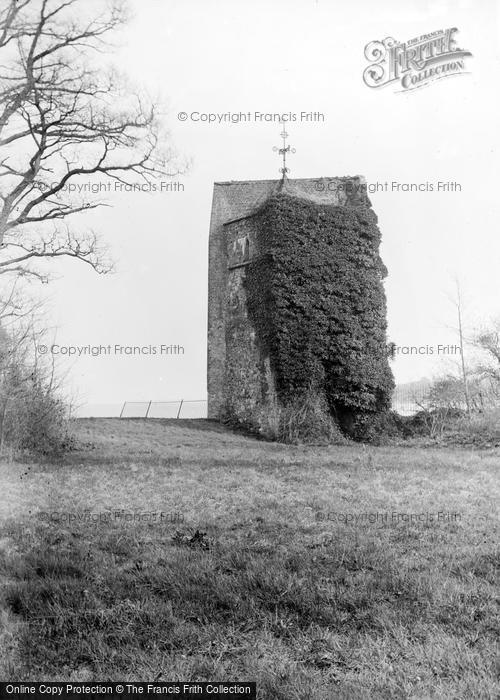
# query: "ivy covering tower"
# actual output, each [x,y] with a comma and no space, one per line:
[296,300]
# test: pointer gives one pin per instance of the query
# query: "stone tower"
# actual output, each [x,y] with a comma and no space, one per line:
[239,375]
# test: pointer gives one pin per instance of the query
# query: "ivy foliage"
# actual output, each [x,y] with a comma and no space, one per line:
[316,299]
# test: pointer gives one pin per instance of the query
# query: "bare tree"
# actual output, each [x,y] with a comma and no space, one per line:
[62,122]
[465,381]
[457,302]
[488,341]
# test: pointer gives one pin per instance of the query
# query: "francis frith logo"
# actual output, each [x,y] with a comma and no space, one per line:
[415,63]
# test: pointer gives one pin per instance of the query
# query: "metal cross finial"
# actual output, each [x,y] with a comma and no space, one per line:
[283,151]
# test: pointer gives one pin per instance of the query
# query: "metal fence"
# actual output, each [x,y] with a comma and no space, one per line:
[405,400]
[164,409]
[408,400]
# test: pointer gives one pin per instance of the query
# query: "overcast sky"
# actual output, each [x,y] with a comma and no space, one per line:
[217,56]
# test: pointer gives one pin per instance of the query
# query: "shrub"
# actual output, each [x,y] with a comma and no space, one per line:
[303,419]
[380,428]
[32,415]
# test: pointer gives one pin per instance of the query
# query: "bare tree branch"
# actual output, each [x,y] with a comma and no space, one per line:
[63,126]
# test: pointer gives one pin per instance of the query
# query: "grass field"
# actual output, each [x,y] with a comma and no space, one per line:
[175,550]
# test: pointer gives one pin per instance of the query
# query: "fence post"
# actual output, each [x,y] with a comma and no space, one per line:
[123,408]
[180,406]
[147,412]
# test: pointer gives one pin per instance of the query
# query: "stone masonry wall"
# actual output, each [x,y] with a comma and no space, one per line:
[247,381]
